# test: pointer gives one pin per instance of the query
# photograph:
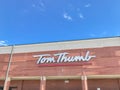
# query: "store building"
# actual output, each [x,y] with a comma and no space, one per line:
[92,64]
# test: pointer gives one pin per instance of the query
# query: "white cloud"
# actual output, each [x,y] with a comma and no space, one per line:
[87,5]
[81,16]
[66,16]
[3,43]
[39,4]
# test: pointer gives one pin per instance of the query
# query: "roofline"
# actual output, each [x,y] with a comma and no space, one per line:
[66,45]
[62,41]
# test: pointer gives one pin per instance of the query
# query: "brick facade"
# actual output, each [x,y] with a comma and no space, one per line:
[102,72]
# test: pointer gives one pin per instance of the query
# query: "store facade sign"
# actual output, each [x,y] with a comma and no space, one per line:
[62,58]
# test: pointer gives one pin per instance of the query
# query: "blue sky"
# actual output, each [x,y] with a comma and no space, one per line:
[36,21]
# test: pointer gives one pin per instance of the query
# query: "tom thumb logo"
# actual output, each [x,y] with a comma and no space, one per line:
[62,58]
